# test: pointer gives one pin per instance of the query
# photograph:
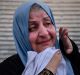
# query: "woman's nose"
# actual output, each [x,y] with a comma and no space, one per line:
[43,31]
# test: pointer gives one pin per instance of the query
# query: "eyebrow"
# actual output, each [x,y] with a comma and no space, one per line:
[46,18]
[32,21]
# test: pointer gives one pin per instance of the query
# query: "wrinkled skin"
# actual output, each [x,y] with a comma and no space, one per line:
[42,33]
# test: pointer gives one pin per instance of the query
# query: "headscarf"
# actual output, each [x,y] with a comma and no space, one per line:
[20,28]
[21,31]
[38,61]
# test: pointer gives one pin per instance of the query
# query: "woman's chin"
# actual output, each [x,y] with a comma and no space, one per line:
[43,48]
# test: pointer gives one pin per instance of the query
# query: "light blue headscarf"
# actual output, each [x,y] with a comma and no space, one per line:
[21,33]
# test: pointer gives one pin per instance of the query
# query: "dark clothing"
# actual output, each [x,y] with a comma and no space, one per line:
[45,72]
[14,66]
[11,66]
[74,57]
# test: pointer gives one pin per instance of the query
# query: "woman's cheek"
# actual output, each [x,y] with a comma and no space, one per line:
[53,35]
[52,32]
[32,38]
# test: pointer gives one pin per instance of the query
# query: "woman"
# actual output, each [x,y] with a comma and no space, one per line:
[36,31]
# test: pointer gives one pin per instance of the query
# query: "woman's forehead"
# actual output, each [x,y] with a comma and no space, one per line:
[38,14]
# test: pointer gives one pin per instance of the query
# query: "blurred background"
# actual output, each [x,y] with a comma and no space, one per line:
[66,13]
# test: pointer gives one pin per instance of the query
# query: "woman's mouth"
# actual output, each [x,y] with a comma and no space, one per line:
[45,42]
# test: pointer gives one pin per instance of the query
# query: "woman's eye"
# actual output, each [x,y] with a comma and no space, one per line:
[33,28]
[47,23]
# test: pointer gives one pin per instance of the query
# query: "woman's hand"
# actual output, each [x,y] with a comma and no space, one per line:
[63,34]
[54,62]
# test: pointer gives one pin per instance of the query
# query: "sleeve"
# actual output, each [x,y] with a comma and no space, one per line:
[11,66]
[45,72]
[74,57]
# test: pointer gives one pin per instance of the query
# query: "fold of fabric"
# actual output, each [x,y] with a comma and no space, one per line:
[38,61]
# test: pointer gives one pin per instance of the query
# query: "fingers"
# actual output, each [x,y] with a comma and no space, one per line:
[63,32]
[57,57]
[54,62]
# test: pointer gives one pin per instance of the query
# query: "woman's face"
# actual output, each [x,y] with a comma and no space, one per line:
[42,33]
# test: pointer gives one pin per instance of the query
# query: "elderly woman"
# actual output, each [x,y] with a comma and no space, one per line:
[38,50]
